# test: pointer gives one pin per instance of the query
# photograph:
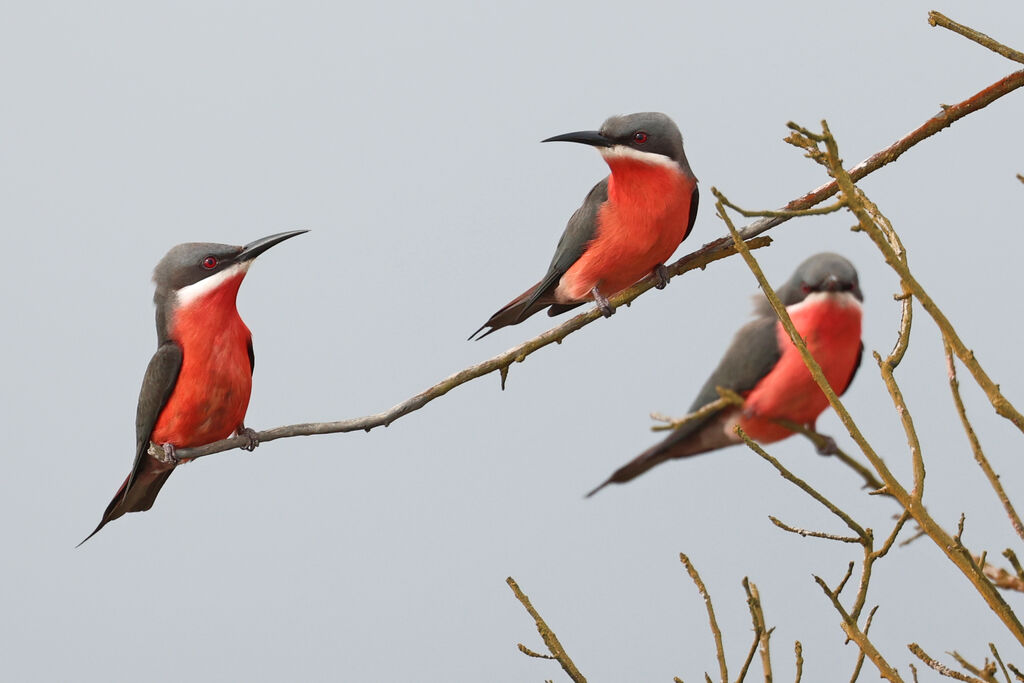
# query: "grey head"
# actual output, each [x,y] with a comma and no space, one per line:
[824,272]
[188,263]
[185,265]
[650,131]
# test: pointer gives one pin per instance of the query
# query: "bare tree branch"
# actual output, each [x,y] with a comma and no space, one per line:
[715,250]
[979,455]
[715,631]
[757,615]
[500,363]
[858,636]
[941,668]
[995,653]
[937,19]
[547,634]
[758,632]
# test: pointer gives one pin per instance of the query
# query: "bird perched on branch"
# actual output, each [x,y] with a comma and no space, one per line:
[762,365]
[628,226]
[196,388]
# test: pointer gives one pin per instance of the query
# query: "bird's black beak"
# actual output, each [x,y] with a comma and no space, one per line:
[254,249]
[833,284]
[586,137]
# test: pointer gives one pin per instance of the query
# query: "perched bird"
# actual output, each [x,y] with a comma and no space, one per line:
[823,298]
[196,388]
[628,226]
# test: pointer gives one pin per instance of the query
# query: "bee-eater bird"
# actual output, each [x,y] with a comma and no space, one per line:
[628,226]
[196,388]
[762,365]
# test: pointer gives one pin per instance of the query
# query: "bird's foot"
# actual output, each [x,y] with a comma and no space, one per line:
[602,303]
[165,453]
[661,273]
[827,446]
[250,436]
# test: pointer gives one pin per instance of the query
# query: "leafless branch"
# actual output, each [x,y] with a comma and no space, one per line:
[700,414]
[937,19]
[941,668]
[757,616]
[555,647]
[995,653]
[715,631]
[758,632]
[814,534]
[854,633]
[979,455]
[713,251]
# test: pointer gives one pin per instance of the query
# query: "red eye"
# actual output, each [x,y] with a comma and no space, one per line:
[210,262]
[640,137]
[805,288]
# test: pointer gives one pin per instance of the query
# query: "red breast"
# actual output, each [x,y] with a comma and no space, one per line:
[641,224]
[830,324]
[212,392]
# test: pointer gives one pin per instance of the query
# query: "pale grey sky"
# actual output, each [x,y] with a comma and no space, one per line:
[405,137]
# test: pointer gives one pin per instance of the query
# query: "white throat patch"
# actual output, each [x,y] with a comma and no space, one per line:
[841,299]
[624,152]
[190,293]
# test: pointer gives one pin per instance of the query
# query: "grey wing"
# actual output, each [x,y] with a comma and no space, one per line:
[694,200]
[579,231]
[157,385]
[856,366]
[753,353]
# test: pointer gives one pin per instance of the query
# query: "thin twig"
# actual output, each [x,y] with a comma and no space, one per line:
[814,534]
[750,655]
[804,486]
[757,615]
[937,19]
[1014,562]
[547,634]
[860,653]
[995,653]
[700,414]
[979,455]
[941,668]
[820,441]
[715,631]
[854,633]
[1001,577]
[799,649]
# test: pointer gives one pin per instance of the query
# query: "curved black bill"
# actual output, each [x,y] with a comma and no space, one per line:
[254,249]
[586,137]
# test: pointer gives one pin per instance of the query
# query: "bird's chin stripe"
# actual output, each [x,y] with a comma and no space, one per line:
[623,152]
[196,290]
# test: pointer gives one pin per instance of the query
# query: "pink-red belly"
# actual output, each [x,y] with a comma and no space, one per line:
[789,392]
[645,218]
[212,392]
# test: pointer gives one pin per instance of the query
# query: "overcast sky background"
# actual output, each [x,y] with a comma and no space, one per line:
[405,137]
